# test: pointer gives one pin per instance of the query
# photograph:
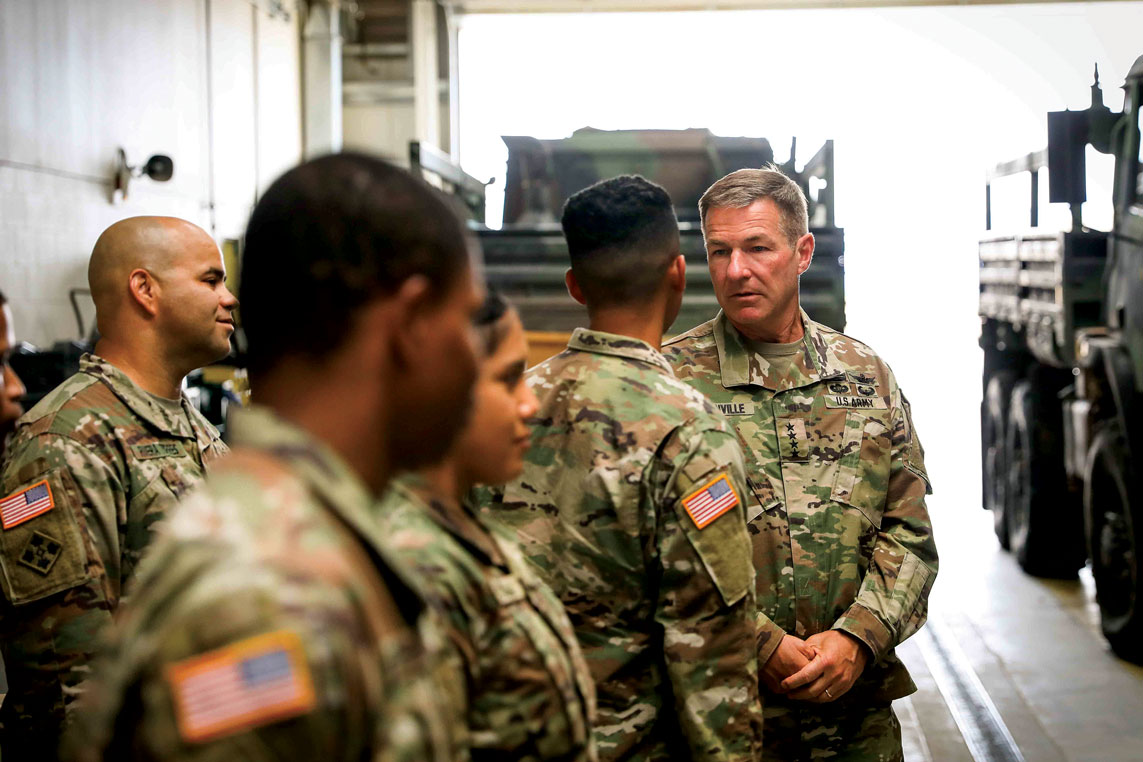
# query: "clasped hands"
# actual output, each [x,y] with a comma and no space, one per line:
[819,669]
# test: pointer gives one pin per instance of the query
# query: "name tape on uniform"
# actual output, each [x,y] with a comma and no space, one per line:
[867,403]
[157,450]
[735,408]
[710,501]
[26,504]
[250,683]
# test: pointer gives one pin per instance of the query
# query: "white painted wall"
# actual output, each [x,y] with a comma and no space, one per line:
[381,128]
[79,79]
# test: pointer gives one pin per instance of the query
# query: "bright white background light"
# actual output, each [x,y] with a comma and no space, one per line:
[919,102]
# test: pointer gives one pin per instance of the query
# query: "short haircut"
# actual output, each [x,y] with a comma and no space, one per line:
[328,237]
[489,322]
[622,236]
[742,188]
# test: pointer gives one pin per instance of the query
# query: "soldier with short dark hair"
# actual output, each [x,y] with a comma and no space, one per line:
[843,543]
[97,462]
[11,388]
[630,505]
[269,621]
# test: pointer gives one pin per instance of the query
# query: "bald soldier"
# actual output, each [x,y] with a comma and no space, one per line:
[98,462]
[843,545]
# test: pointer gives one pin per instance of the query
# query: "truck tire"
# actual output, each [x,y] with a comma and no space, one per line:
[993,418]
[1044,518]
[1115,537]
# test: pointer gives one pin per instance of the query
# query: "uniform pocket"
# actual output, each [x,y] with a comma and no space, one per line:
[46,554]
[863,471]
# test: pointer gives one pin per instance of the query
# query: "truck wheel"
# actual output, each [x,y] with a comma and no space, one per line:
[1115,534]
[1043,517]
[993,414]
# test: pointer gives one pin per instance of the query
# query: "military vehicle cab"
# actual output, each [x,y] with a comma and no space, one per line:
[1062,332]
[527,257]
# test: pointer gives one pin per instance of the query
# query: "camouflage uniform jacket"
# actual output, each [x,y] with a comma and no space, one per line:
[662,603]
[842,538]
[89,471]
[268,623]
[530,695]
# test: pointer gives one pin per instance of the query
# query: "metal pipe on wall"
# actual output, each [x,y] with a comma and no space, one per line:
[321,93]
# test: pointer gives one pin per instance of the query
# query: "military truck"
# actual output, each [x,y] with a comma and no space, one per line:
[1062,332]
[526,258]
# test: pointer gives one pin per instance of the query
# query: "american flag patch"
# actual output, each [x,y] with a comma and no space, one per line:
[711,501]
[250,683]
[26,504]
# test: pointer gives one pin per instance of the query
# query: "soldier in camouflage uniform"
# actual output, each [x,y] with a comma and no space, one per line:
[96,463]
[630,503]
[842,539]
[11,388]
[274,624]
[530,695]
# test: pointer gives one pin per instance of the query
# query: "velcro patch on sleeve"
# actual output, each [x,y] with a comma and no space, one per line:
[247,684]
[710,501]
[26,504]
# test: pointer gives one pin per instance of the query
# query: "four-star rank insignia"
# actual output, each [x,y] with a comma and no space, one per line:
[40,553]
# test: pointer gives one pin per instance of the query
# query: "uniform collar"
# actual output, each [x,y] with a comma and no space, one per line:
[315,463]
[600,343]
[143,406]
[449,514]
[740,366]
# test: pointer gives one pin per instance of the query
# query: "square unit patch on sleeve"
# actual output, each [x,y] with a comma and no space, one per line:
[710,501]
[26,504]
[253,682]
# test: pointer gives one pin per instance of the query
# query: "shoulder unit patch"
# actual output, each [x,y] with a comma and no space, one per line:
[26,504]
[247,684]
[710,501]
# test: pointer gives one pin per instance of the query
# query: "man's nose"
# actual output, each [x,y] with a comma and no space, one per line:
[13,387]
[736,268]
[229,300]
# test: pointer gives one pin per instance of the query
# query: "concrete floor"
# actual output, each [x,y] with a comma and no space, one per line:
[1036,648]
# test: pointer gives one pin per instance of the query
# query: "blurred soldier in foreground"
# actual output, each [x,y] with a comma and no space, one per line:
[268,622]
[530,694]
[842,540]
[99,460]
[631,500]
[11,388]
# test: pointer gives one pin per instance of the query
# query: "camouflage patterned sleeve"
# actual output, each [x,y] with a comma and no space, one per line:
[707,597]
[892,603]
[182,676]
[61,576]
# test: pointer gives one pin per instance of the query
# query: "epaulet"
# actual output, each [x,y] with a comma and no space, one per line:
[42,415]
[699,331]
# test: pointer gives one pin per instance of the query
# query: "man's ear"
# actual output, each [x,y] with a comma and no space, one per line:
[573,287]
[805,250]
[677,274]
[144,289]
[407,309]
